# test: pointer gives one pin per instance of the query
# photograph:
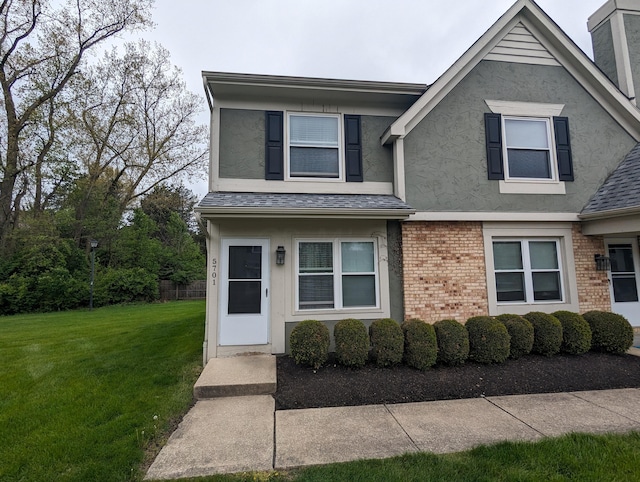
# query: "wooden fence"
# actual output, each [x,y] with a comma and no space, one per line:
[197,290]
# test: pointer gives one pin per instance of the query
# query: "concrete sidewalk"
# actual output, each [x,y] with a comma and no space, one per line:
[237,434]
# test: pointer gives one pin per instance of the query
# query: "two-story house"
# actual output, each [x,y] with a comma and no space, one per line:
[512,184]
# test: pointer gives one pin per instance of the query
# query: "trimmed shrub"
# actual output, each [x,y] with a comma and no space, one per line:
[488,340]
[547,333]
[453,342]
[387,342]
[352,343]
[521,333]
[611,333]
[576,333]
[309,343]
[420,344]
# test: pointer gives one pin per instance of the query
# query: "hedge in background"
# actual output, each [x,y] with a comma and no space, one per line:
[576,333]
[420,344]
[488,340]
[521,333]
[453,342]
[547,333]
[387,342]
[309,343]
[611,333]
[352,342]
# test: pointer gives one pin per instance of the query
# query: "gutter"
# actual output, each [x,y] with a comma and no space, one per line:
[611,213]
[276,212]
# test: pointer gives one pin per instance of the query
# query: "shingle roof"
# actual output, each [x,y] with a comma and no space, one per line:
[621,189]
[314,203]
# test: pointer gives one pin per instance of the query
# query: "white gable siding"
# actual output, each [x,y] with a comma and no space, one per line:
[521,46]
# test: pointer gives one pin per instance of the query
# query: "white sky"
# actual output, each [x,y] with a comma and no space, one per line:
[388,40]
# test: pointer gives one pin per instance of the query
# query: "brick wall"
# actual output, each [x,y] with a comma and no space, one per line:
[444,270]
[593,286]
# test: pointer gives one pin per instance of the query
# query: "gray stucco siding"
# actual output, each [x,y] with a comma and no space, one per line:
[602,40]
[632,29]
[242,143]
[242,140]
[445,154]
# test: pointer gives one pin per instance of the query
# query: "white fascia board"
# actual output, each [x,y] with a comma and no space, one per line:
[252,212]
[600,15]
[612,213]
[492,216]
[454,74]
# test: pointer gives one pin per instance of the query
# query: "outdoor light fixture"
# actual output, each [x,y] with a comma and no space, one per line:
[602,262]
[280,252]
[94,245]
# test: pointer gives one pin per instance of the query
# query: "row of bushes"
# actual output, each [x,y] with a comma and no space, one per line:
[483,339]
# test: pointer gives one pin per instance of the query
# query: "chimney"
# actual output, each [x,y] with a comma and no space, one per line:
[615,34]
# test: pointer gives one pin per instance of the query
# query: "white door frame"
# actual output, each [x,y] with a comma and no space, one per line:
[630,310]
[241,329]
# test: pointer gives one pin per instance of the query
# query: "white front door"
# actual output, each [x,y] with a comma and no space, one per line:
[244,292]
[624,278]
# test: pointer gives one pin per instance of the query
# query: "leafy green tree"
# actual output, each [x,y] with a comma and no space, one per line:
[182,260]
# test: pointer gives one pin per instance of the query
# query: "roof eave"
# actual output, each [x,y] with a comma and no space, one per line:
[333,213]
[610,213]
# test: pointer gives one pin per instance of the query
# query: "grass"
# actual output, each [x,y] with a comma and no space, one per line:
[85,395]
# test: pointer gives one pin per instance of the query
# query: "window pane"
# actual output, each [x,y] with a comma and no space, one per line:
[315,257]
[546,286]
[245,262]
[510,286]
[529,164]
[244,297]
[357,257]
[358,290]
[313,162]
[315,292]
[621,258]
[310,130]
[507,255]
[544,255]
[625,289]
[527,134]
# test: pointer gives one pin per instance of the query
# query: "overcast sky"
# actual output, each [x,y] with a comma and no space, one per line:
[387,40]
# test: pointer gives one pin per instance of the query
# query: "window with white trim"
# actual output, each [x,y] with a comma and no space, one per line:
[314,146]
[528,148]
[527,270]
[336,274]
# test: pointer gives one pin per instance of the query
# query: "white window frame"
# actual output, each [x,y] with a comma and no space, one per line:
[528,271]
[553,163]
[528,111]
[338,274]
[560,231]
[340,148]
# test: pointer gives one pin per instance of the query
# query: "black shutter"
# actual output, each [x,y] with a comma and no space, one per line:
[353,148]
[274,148]
[493,133]
[563,148]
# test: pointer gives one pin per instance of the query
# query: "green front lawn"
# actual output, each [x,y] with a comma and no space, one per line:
[84,394]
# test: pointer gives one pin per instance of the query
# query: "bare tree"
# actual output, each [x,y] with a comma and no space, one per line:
[42,46]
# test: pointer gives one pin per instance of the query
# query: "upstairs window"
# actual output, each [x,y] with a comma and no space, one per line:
[528,148]
[314,146]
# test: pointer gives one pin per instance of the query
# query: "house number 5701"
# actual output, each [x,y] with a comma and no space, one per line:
[214,270]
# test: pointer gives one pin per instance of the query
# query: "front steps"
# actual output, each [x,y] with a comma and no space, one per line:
[237,376]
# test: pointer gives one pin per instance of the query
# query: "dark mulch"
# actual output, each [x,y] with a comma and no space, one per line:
[336,386]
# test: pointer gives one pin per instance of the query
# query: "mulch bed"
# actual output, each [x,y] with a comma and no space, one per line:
[336,386]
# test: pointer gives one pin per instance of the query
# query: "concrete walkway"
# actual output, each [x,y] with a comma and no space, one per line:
[235,434]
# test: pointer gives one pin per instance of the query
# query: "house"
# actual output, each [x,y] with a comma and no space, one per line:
[510,185]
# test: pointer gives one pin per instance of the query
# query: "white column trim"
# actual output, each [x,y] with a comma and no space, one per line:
[399,182]
[621,52]
[214,149]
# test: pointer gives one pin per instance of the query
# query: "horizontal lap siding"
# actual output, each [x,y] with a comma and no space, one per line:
[444,270]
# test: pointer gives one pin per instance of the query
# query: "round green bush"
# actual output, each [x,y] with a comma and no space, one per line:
[547,333]
[488,340]
[453,342]
[521,333]
[352,343]
[309,343]
[420,344]
[611,333]
[576,333]
[387,342]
